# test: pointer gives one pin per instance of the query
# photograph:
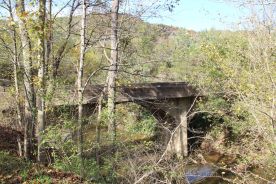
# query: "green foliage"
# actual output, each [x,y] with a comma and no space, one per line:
[136,120]
[234,74]
[12,167]
[59,137]
[66,155]
[10,164]
[5,70]
[24,174]
[73,164]
[146,124]
[41,179]
[107,169]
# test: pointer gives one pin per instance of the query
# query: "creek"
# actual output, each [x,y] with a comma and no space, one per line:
[208,172]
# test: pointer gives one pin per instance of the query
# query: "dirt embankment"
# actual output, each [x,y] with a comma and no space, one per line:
[8,139]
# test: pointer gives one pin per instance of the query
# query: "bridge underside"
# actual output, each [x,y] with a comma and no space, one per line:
[172,116]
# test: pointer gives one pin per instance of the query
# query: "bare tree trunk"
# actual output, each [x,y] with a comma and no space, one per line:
[49,40]
[41,77]
[80,85]
[29,112]
[98,123]
[99,119]
[15,75]
[17,95]
[48,52]
[98,131]
[112,73]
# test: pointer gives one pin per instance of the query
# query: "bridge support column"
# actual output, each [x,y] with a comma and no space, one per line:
[178,144]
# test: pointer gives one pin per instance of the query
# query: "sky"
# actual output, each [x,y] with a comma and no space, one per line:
[201,15]
[198,15]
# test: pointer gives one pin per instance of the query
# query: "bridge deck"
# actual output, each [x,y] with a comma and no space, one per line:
[134,92]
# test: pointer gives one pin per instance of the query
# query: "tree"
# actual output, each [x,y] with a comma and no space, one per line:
[41,80]
[237,72]
[30,104]
[15,62]
[112,72]
[79,83]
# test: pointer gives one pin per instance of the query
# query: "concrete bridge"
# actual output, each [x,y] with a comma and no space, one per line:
[169,103]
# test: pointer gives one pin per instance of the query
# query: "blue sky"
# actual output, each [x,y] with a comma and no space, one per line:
[202,14]
[197,15]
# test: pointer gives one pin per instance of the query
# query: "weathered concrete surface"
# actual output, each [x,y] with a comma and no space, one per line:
[172,116]
[4,83]
[131,93]
[178,143]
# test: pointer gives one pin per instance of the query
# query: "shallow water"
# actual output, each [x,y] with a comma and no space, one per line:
[197,173]
[202,174]
[207,173]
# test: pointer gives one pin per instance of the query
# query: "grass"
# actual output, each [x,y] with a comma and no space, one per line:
[16,170]
[11,168]
[10,164]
